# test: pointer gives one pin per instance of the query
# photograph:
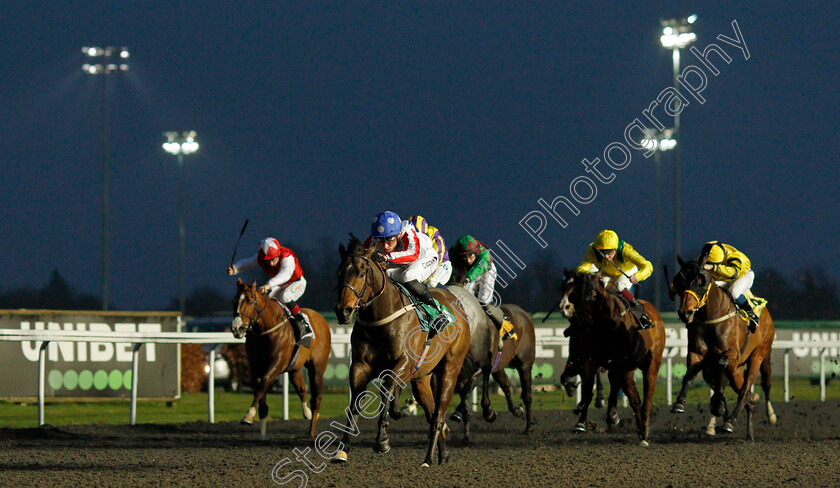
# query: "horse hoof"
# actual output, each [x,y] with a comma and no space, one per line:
[456,417]
[444,432]
[613,420]
[518,412]
[600,403]
[710,431]
[644,444]
[580,427]
[340,457]
[247,421]
[383,448]
[678,408]
[728,428]
[425,465]
[773,419]
[490,415]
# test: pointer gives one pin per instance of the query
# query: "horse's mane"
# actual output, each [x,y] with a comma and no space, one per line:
[688,271]
[355,246]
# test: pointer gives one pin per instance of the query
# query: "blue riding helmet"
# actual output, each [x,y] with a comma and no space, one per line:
[386,224]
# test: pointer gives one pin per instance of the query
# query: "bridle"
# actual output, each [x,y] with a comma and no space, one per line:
[368,280]
[701,301]
[252,319]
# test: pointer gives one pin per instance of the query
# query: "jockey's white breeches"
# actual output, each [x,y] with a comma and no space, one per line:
[482,287]
[419,270]
[292,291]
[441,275]
[740,286]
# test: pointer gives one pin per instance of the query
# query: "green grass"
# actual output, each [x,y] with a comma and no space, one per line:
[192,407]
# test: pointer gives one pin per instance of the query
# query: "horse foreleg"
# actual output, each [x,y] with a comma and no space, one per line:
[635,403]
[612,405]
[463,412]
[743,380]
[587,377]
[447,375]
[390,389]
[766,369]
[693,364]
[649,388]
[394,411]
[316,384]
[502,379]
[359,377]
[600,401]
[524,371]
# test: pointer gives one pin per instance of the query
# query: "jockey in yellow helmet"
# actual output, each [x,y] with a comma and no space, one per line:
[621,267]
[730,269]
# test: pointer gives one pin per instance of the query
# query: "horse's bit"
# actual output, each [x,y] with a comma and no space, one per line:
[257,313]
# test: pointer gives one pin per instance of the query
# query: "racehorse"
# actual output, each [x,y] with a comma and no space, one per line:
[720,344]
[387,342]
[270,344]
[484,342]
[567,309]
[608,336]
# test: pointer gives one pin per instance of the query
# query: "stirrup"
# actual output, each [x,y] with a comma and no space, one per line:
[645,322]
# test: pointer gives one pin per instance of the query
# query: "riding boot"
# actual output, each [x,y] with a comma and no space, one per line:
[501,321]
[422,293]
[637,309]
[302,330]
[744,305]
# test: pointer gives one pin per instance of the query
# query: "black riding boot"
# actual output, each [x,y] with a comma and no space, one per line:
[422,293]
[302,330]
[753,318]
[638,311]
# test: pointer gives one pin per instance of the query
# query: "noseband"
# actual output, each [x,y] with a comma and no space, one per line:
[257,313]
[701,301]
[368,274]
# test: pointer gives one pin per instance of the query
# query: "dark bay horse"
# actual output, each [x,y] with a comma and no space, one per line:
[609,337]
[567,309]
[270,344]
[517,353]
[387,343]
[720,344]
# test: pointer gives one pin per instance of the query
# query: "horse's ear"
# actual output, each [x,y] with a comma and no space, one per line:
[680,260]
[254,283]
[341,250]
[239,283]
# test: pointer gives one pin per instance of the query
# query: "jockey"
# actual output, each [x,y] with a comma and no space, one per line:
[409,256]
[731,270]
[472,257]
[286,283]
[443,271]
[621,267]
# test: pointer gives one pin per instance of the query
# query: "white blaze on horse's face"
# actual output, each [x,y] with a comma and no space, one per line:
[566,307]
[237,327]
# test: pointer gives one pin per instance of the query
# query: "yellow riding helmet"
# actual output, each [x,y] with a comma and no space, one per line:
[716,253]
[606,239]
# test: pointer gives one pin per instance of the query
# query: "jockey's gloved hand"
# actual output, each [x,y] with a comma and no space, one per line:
[379,257]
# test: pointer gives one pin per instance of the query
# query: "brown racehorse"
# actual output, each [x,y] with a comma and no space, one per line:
[270,344]
[567,309]
[609,337]
[517,353]
[387,343]
[719,343]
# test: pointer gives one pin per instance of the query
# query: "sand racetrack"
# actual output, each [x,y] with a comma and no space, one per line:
[803,449]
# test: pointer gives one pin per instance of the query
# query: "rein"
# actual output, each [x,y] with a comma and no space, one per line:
[368,273]
[701,301]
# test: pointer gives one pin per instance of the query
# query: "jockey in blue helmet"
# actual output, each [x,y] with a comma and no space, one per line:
[409,256]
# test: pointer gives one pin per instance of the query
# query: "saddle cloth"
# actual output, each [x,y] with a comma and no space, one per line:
[425,313]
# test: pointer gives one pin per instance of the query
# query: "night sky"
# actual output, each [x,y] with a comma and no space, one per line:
[313,118]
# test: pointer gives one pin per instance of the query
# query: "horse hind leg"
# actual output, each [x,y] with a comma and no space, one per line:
[525,380]
[488,413]
[502,379]
[600,401]
[316,384]
[300,388]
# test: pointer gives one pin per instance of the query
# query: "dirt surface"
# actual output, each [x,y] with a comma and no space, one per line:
[803,449]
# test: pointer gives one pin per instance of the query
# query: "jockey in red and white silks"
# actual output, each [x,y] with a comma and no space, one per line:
[412,256]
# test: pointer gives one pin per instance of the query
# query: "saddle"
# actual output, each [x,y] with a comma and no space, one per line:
[636,311]
[426,314]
